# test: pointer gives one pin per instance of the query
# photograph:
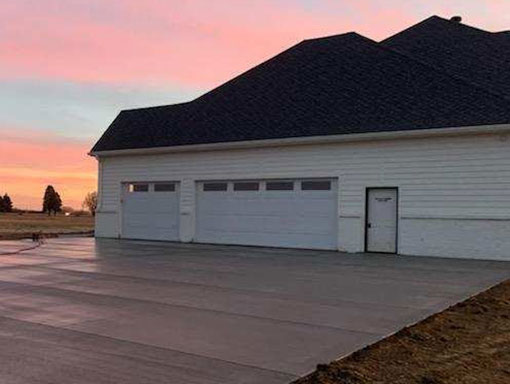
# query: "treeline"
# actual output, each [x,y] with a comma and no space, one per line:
[6,203]
[52,203]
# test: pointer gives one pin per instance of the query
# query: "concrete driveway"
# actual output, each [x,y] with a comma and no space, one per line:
[108,311]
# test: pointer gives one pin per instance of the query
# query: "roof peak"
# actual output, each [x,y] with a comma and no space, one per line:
[454,23]
[336,36]
[157,106]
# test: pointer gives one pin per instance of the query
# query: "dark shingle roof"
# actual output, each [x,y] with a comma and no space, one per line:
[335,85]
[479,56]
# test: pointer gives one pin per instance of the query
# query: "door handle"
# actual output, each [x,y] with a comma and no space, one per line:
[369,225]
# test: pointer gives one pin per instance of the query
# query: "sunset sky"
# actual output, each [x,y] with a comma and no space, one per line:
[67,67]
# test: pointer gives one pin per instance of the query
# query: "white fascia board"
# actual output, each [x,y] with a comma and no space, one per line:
[502,129]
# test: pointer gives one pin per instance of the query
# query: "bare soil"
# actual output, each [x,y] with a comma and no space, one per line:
[467,343]
[18,226]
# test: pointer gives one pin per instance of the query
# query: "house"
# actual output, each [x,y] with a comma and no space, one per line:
[337,143]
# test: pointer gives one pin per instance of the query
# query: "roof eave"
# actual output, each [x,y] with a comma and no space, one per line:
[503,129]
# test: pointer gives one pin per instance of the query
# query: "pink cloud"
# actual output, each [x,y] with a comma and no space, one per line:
[30,161]
[178,42]
[191,43]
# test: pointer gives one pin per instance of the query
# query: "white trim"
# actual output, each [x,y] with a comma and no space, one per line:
[435,217]
[418,133]
[99,185]
[432,217]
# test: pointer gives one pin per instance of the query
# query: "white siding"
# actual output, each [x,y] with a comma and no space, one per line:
[447,186]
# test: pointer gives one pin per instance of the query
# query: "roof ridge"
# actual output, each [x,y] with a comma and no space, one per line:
[466,26]
[336,35]
[156,106]
[211,91]
[410,28]
[445,73]
[286,51]
[441,19]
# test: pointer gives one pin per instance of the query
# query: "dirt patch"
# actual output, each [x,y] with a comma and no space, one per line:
[45,235]
[467,343]
[14,226]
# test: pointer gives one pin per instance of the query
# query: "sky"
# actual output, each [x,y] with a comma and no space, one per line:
[67,67]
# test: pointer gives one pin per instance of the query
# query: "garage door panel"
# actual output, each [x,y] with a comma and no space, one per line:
[260,208]
[270,239]
[150,215]
[268,224]
[150,209]
[301,219]
[310,213]
[150,221]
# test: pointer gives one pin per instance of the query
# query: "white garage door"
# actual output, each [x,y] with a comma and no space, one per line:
[278,213]
[150,211]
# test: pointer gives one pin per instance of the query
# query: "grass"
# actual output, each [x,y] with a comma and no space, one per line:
[18,226]
[467,343]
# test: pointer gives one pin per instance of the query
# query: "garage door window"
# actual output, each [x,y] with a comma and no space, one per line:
[246,186]
[215,187]
[164,187]
[138,187]
[279,186]
[322,185]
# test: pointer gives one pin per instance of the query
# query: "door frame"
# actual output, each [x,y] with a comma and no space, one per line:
[397,221]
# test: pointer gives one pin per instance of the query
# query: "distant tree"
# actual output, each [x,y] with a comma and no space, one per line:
[51,201]
[2,207]
[6,203]
[90,202]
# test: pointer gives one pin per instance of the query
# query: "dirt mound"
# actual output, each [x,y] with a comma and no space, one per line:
[467,343]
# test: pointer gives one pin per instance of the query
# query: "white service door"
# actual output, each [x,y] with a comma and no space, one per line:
[294,218]
[382,220]
[151,214]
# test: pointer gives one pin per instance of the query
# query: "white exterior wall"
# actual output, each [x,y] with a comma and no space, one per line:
[454,191]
